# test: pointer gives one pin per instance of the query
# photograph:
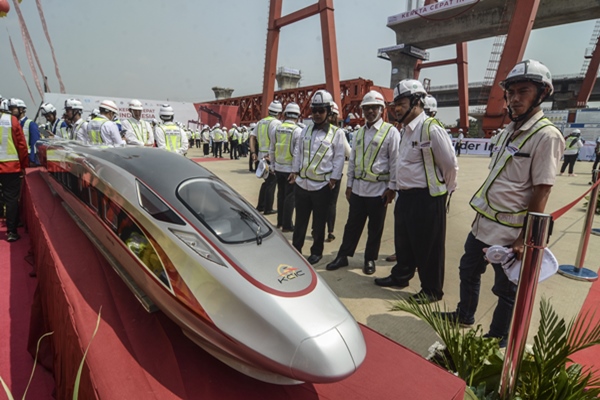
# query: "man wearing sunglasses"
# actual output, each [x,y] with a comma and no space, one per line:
[426,171]
[316,169]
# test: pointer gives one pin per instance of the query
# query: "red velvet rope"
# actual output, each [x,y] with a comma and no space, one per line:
[559,213]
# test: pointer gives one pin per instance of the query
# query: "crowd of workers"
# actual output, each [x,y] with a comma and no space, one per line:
[411,162]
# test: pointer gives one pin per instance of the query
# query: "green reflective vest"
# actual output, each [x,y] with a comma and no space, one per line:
[284,139]
[262,134]
[8,150]
[93,130]
[311,163]
[365,157]
[172,136]
[480,202]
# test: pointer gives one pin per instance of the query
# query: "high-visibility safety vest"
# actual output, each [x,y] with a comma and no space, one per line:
[63,130]
[262,133]
[284,139]
[8,150]
[572,144]
[218,135]
[139,128]
[93,130]
[480,202]
[435,184]
[365,157]
[310,164]
[172,136]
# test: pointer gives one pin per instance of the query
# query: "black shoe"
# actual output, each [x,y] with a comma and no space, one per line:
[330,238]
[260,209]
[284,230]
[454,317]
[313,259]
[502,341]
[390,281]
[424,298]
[340,261]
[270,212]
[369,267]
[12,237]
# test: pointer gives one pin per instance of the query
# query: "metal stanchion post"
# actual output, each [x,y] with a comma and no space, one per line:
[536,236]
[577,271]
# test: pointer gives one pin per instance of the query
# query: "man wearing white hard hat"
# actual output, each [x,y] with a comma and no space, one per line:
[18,109]
[572,145]
[101,130]
[281,154]
[430,106]
[77,123]
[371,168]
[522,173]
[260,142]
[459,141]
[169,136]
[316,170]
[426,170]
[138,132]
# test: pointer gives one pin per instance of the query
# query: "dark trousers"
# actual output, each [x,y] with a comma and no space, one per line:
[362,208]
[332,211]
[307,202]
[234,151]
[420,239]
[266,196]
[218,149]
[205,148]
[596,161]
[569,159]
[11,190]
[472,266]
[457,149]
[197,141]
[285,201]
[226,150]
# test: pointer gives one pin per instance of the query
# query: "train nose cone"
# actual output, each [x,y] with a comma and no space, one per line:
[331,356]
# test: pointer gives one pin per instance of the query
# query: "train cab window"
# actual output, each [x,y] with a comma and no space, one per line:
[93,194]
[155,206]
[139,245]
[222,211]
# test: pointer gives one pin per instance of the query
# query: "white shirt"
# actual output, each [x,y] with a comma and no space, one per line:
[333,160]
[410,170]
[384,161]
[295,137]
[134,128]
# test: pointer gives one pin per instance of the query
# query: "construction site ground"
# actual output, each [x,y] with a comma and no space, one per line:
[371,304]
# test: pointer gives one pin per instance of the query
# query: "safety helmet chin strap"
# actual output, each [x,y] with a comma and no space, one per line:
[414,100]
[524,116]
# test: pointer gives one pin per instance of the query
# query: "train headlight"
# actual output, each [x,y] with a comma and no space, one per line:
[198,245]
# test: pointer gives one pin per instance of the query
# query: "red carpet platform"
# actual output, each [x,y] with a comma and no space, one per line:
[137,355]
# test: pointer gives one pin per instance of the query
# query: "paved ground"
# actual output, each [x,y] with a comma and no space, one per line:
[370,304]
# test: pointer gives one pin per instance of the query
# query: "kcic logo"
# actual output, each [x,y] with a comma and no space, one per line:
[287,273]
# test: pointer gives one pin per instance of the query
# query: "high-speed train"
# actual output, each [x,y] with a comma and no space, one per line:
[182,238]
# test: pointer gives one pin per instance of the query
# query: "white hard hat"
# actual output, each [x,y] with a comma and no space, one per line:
[321,98]
[334,108]
[253,125]
[234,126]
[74,104]
[275,107]
[409,88]
[109,105]
[135,105]
[47,108]
[4,105]
[262,171]
[460,130]
[529,71]
[292,110]
[576,131]
[357,127]
[166,111]
[217,125]
[430,103]
[373,98]
[95,111]
[16,103]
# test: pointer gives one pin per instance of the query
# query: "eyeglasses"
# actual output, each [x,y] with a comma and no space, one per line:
[318,110]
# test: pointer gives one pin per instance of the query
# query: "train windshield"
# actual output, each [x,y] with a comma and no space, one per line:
[222,211]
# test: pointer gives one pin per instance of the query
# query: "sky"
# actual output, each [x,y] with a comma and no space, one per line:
[178,50]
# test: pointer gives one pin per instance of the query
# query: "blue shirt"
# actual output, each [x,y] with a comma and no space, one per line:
[34,136]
